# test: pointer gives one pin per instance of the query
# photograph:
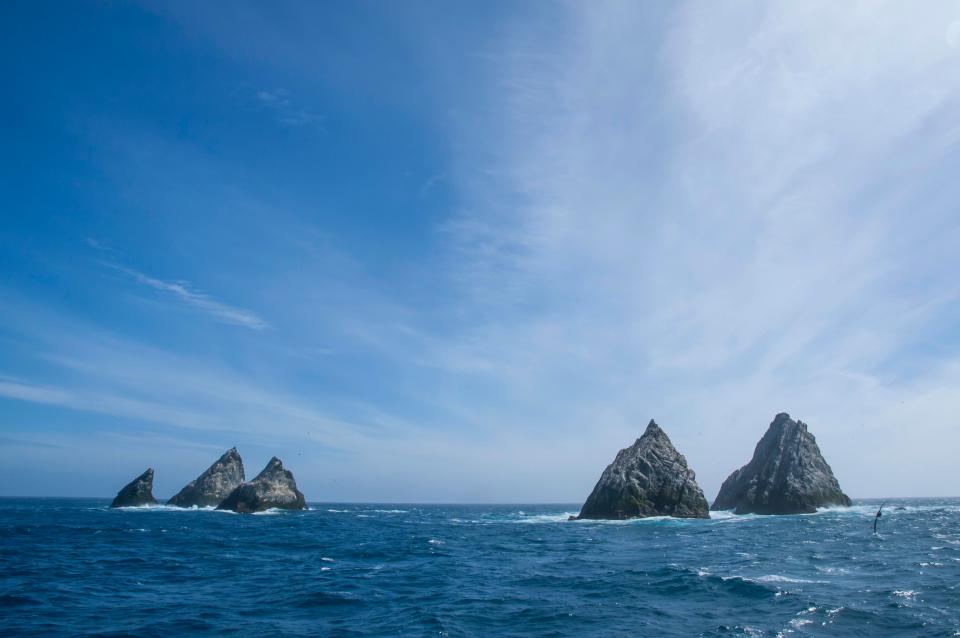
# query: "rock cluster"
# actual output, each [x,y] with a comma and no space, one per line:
[787,475]
[274,487]
[214,485]
[222,484]
[137,492]
[649,478]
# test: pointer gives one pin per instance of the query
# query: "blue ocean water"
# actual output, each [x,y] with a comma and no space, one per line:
[75,567]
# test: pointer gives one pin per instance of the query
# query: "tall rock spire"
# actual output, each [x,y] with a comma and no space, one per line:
[214,485]
[273,487]
[137,492]
[649,478]
[787,475]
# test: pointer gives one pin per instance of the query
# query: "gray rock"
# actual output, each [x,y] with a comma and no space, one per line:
[787,475]
[137,492]
[214,485]
[273,487]
[649,478]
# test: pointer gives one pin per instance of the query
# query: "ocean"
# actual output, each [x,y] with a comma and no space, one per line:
[73,567]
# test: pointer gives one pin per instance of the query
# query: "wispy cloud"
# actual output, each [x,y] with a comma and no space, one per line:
[288,112]
[184,293]
[748,215]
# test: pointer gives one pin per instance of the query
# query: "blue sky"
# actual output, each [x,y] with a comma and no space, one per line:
[465,251]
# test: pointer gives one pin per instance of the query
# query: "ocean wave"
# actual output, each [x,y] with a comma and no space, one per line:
[777,578]
[544,518]
[160,507]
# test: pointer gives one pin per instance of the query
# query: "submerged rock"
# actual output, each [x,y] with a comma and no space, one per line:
[137,492]
[273,487]
[649,478]
[214,485]
[787,475]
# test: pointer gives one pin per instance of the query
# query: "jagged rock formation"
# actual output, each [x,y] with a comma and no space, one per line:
[649,478]
[787,475]
[139,491]
[273,487]
[214,485]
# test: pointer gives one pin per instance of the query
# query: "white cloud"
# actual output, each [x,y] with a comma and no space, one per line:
[287,111]
[184,293]
[705,217]
[757,214]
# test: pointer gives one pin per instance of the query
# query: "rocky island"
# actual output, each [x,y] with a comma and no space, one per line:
[649,478]
[273,487]
[787,475]
[137,492]
[215,484]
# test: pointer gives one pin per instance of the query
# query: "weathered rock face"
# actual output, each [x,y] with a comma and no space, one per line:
[649,478]
[787,475]
[273,487]
[137,492]
[214,485]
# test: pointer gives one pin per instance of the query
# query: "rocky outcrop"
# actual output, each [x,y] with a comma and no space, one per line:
[787,475]
[214,485]
[137,492]
[273,487]
[649,478]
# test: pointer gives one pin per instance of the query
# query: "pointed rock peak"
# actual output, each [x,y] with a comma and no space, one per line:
[787,475]
[137,492]
[215,484]
[650,478]
[273,487]
[273,466]
[782,425]
[653,428]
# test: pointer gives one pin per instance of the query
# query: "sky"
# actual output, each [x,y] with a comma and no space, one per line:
[464,252]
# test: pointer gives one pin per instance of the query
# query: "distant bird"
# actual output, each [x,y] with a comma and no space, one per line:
[877,519]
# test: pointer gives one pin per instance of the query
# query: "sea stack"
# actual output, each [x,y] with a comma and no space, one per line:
[137,492]
[649,478]
[214,485]
[273,487]
[787,475]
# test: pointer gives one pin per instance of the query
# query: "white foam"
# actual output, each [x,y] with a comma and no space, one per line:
[158,507]
[545,518]
[777,578]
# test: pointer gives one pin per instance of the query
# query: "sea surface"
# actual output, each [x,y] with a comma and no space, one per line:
[74,567]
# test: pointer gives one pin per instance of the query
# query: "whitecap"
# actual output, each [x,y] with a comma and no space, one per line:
[777,578]
[547,518]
